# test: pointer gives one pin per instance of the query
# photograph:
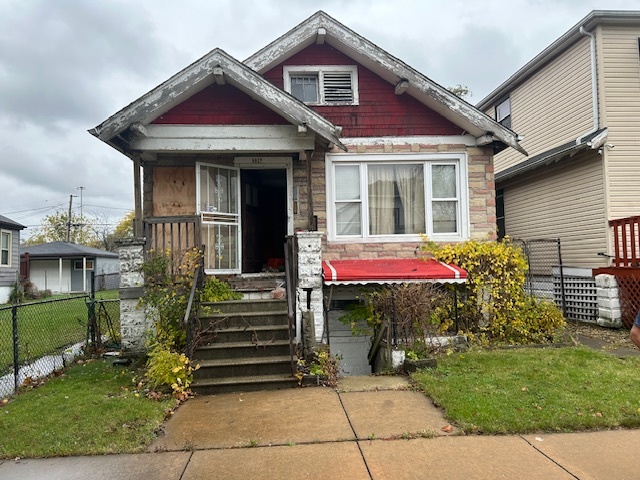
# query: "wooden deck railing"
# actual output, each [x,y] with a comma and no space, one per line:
[178,234]
[626,238]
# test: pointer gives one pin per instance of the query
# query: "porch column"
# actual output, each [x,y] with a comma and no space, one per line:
[133,321]
[310,280]
[609,312]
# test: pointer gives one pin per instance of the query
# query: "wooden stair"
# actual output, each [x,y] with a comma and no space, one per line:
[247,347]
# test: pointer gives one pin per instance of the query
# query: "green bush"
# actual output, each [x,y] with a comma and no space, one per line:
[169,369]
[494,305]
[215,290]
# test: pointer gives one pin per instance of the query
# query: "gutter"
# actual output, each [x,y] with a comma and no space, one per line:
[594,85]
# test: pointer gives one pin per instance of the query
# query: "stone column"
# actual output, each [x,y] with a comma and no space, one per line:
[310,280]
[609,312]
[134,323]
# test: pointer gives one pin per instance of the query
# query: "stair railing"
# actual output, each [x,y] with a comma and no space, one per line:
[291,276]
[191,319]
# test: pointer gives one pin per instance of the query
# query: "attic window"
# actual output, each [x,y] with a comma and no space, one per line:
[503,112]
[322,85]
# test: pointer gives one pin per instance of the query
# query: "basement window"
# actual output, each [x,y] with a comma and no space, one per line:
[322,85]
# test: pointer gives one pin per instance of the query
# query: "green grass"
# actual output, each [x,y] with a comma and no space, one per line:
[535,389]
[91,409]
[47,327]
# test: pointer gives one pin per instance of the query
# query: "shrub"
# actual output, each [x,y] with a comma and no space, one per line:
[215,290]
[169,369]
[494,304]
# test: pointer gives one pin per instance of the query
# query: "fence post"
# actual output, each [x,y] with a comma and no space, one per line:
[564,303]
[16,365]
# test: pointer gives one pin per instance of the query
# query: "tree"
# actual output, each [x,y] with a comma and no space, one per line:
[461,90]
[57,228]
[124,229]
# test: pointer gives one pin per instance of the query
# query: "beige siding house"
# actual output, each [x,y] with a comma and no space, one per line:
[577,105]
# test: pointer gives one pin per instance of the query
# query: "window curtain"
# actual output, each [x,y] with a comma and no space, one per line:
[381,199]
[410,183]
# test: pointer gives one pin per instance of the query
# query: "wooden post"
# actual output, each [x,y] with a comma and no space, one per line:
[137,197]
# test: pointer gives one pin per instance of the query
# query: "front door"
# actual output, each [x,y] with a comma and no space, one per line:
[264,219]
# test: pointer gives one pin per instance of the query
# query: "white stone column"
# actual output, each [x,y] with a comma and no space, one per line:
[609,312]
[310,279]
[134,323]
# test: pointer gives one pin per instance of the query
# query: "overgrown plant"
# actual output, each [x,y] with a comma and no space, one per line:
[494,305]
[167,289]
[326,367]
[418,311]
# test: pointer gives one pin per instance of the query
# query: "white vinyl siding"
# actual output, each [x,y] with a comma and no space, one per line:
[620,68]
[553,106]
[566,201]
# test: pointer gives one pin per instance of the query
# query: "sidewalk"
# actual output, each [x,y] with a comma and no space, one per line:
[372,427]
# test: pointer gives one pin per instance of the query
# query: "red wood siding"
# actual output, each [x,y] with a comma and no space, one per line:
[220,105]
[380,113]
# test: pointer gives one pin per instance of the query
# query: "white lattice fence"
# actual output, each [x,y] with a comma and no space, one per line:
[580,293]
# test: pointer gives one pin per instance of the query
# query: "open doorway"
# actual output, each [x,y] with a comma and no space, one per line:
[264,219]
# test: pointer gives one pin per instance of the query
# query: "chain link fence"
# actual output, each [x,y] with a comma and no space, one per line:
[38,338]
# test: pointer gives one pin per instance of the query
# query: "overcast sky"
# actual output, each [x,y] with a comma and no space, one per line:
[67,65]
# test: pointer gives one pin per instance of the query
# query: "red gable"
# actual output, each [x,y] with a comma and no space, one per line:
[380,113]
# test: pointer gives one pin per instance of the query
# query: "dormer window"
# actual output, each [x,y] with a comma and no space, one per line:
[322,85]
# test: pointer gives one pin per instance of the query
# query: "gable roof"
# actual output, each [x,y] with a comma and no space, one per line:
[589,22]
[219,66]
[64,249]
[321,27]
[10,224]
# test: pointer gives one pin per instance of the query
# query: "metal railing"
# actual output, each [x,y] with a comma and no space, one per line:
[191,315]
[291,274]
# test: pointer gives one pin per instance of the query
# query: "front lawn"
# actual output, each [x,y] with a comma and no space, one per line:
[93,408]
[528,390]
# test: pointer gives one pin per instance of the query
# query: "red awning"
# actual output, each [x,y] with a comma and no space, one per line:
[390,270]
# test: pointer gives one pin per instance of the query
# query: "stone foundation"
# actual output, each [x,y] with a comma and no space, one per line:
[609,312]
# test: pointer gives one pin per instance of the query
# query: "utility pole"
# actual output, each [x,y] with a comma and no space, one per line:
[69,219]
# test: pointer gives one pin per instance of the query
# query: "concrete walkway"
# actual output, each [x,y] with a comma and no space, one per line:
[372,427]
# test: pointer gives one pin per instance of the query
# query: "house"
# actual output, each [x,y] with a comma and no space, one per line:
[9,256]
[576,104]
[321,136]
[64,267]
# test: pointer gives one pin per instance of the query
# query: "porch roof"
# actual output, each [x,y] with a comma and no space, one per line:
[390,270]
[123,127]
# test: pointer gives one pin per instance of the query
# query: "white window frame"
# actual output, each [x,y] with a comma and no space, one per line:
[9,248]
[78,265]
[289,71]
[503,111]
[463,214]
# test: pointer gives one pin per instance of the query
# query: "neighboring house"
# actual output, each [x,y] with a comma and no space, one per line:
[66,267]
[577,104]
[9,256]
[321,135]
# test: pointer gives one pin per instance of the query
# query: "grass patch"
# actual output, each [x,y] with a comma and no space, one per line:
[91,409]
[535,389]
[48,326]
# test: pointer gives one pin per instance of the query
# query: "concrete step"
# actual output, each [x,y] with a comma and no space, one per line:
[258,335]
[243,367]
[256,283]
[258,318]
[244,306]
[218,351]
[243,384]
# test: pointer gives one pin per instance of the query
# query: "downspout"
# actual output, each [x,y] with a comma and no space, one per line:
[594,86]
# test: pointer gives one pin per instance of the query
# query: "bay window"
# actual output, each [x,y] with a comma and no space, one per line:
[396,197]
